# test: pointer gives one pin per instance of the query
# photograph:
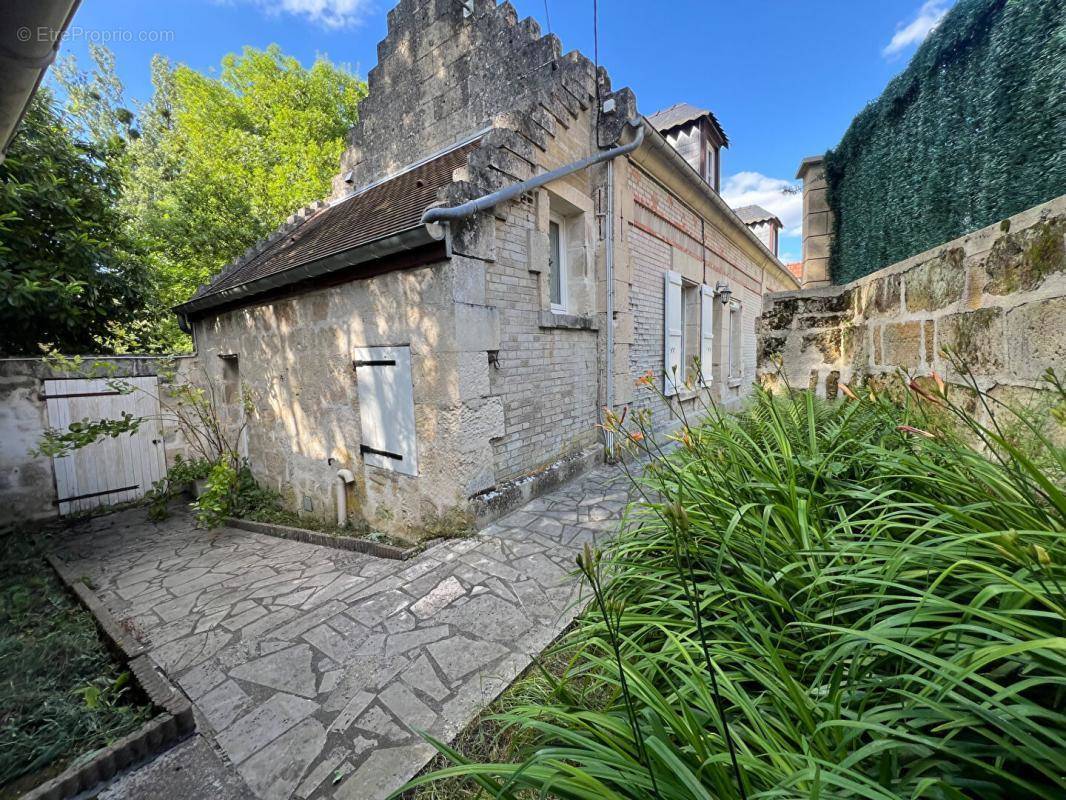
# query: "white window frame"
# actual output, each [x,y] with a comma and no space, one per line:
[736,339]
[562,266]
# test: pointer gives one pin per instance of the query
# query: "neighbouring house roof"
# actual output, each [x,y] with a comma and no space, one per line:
[682,114]
[796,268]
[382,210]
[750,215]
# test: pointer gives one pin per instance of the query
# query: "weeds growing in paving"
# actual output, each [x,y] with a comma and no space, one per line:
[862,598]
[62,693]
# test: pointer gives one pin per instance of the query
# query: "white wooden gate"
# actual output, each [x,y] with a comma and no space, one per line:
[112,470]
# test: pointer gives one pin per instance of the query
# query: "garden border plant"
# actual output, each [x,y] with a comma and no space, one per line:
[846,598]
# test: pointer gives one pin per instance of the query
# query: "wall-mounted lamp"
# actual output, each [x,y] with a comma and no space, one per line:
[725,294]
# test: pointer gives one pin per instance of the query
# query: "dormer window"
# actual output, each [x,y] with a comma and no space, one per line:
[696,135]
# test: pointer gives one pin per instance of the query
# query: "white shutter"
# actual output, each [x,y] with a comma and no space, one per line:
[706,333]
[386,408]
[674,335]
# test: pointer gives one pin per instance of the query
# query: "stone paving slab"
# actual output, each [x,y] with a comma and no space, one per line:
[311,668]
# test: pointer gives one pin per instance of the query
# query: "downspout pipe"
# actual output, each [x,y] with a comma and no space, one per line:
[344,477]
[490,201]
[608,388]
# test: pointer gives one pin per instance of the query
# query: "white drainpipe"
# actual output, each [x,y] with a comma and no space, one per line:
[344,477]
[608,435]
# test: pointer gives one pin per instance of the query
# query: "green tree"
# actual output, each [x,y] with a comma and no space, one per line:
[69,271]
[220,162]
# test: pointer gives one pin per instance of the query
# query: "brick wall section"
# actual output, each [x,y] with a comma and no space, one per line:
[663,233]
[996,297]
[547,377]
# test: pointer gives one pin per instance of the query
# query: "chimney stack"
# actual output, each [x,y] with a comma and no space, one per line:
[817,223]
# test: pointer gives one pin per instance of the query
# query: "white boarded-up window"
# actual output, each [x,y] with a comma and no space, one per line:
[386,408]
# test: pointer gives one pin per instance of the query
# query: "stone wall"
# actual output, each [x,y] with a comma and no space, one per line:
[27,483]
[295,359]
[995,297]
[445,71]
[663,232]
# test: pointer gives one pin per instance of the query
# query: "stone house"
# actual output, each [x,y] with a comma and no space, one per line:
[435,358]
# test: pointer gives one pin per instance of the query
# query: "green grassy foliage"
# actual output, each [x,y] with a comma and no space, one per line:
[813,600]
[62,694]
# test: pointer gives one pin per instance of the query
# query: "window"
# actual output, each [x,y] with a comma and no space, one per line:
[736,340]
[711,165]
[231,377]
[386,408]
[688,333]
[557,263]
[690,314]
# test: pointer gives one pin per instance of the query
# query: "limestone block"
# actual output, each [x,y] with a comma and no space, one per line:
[815,247]
[815,271]
[814,201]
[476,327]
[1036,338]
[468,280]
[537,249]
[903,345]
[976,337]
[817,224]
[936,283]
[1022,261]
[475,237]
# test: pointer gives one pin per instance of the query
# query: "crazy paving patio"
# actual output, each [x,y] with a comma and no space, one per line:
[310,668]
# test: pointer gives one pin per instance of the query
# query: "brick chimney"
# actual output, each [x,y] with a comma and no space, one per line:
[817,223]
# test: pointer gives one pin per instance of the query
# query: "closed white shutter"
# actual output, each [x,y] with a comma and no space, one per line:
[674,335]
[706,333]
[386,408]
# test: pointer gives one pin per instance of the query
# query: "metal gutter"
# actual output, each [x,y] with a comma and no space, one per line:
[490,201]
[30,34]
[371,251]
[659,144]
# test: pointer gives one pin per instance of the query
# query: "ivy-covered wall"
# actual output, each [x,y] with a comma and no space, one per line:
[973,131]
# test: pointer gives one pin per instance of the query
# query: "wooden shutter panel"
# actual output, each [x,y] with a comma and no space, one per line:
[674,373]
[386,408]
[706,333]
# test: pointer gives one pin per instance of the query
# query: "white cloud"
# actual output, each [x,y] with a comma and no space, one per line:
[333,14]
[915,31]
[776,195]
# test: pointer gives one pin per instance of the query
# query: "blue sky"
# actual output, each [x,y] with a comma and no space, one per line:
[784,77]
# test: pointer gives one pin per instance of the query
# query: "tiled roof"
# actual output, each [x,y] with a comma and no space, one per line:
[682,114]
[752,214]
[796,268]
[384,209]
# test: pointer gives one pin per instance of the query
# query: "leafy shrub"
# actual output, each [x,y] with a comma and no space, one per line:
[814,599]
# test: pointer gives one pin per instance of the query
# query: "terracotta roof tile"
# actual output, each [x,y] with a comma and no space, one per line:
[388,208]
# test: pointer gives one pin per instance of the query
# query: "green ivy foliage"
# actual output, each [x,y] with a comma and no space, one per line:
[974,130]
